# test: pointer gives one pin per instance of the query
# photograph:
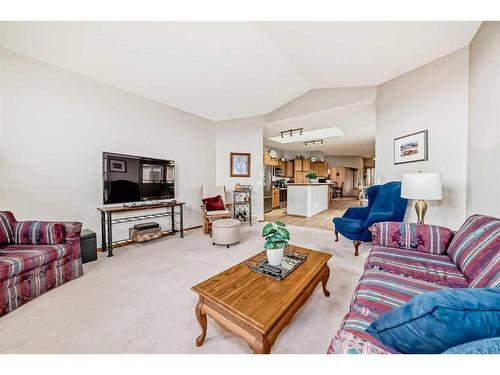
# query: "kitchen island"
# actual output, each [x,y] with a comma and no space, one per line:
[307,199]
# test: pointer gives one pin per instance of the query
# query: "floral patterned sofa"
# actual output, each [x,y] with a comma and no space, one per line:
[35,256]
[410,259]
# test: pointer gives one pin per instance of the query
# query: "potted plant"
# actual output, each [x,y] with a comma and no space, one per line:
[312,176]
[277,237]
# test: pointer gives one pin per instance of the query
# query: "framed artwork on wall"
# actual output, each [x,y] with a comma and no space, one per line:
[239,164]
[116,165]
[411,148]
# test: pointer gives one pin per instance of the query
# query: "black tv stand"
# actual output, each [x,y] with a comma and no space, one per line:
[107,221]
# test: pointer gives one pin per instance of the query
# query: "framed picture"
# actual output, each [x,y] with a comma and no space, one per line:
[411,148]
[240,164]
[116,165]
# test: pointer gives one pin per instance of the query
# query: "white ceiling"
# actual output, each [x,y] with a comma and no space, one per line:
[357,122]
[224,70]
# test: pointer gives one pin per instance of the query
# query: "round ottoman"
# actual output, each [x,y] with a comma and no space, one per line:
[226,232]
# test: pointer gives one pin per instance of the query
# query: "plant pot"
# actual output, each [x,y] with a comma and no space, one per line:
[313,180]
[275,256]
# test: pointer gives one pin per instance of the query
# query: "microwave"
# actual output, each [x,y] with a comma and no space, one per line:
[277,171]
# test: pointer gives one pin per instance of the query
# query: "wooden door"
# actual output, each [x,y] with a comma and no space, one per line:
[267,158]
[298,165]
[289,169]
[282,165]
[300,177]
[306,165]
[276,198]
[319,168]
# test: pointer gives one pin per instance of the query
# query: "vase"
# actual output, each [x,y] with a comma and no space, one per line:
[275,256]
[313,180]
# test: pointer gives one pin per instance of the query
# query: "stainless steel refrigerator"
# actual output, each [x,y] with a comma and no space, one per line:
[268,188]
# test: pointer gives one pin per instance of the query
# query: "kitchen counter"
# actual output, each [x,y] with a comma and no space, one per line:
[307,199]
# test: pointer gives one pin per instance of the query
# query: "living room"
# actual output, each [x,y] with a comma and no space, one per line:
[138,161]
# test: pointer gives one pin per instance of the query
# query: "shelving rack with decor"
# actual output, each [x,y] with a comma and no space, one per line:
[242,200]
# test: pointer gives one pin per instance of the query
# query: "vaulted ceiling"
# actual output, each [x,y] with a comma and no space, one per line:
[224,70]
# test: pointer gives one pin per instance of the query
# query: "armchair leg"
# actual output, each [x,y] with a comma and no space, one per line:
[336,236]
[356,246]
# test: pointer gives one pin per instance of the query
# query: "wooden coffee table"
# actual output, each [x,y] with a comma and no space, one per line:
[257,307]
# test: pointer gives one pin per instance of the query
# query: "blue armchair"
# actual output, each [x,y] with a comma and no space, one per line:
[384,204]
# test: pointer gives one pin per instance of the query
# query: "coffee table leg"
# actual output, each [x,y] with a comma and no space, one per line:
[261,346]
[324,280]
[202,319]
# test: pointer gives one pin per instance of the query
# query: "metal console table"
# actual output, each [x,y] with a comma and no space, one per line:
[107,220]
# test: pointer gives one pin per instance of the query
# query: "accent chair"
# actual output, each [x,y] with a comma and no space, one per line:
[384,204]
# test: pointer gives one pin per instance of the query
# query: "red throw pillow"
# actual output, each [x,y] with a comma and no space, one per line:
[214,203]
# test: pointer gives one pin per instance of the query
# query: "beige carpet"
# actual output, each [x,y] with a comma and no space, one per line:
[140,301]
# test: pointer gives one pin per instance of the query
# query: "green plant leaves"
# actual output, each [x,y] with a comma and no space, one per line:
[276,235]
[267,229]
[283,232]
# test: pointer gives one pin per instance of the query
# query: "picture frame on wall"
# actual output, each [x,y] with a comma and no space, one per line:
[411,148]
[117,165]
[240,164]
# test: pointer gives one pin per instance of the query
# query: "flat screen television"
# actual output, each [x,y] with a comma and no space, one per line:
[129,178]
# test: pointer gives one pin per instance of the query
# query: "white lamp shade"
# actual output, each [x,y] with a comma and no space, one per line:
[425,186]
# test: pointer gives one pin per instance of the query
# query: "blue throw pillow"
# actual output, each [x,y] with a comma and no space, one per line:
[484,346]
[435,321]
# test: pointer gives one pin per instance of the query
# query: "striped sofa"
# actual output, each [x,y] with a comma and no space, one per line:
[35,256]
[410,259]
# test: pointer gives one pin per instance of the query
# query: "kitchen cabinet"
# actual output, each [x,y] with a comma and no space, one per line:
[319,168]
[282,165]
[276,198]
[267,159]
[297,165]
[306,165]
[289,169]
[300,178]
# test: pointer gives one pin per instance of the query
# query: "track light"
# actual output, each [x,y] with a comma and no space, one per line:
[320,141]
[291,132]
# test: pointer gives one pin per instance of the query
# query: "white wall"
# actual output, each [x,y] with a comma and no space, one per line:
[55,125]
[242,135]
[321,99]
[433,97]
[483,166]
[355,162]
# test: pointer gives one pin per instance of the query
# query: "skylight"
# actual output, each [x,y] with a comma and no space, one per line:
[309,135]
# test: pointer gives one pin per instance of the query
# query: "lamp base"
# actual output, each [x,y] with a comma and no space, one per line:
[421,208]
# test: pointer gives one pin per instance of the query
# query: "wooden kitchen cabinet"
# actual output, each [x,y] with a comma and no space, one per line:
[282,165]
[276,198]
[297,165]
[300,178]
[306,165]
[289,169]
[319,168]
[267,159]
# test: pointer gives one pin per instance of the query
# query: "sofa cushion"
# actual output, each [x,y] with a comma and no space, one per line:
[430,267]
[17,259]
[483,346]
[436,321]
[6,235]
[379,292]
[38,233]
[489,276]
[474,248]
[430,239]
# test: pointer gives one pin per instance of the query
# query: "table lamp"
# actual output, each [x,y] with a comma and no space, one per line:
[421,186]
